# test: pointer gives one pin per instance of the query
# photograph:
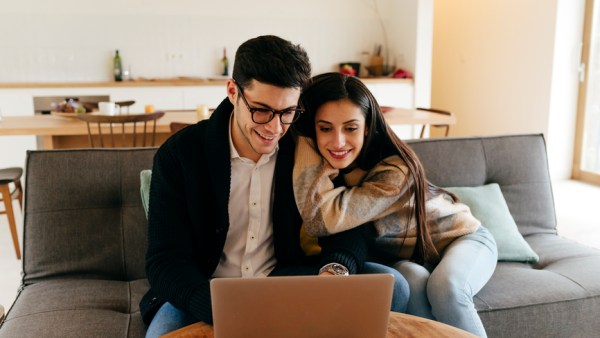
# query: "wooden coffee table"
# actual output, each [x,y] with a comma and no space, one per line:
[407,326]
[400,325]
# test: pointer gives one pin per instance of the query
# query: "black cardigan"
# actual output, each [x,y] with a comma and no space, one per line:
[188,217]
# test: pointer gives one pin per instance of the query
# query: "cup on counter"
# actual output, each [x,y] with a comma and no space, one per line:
[107,108]
[202,112]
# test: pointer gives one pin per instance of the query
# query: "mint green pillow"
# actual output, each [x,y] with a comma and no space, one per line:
[145,178]
[489,206]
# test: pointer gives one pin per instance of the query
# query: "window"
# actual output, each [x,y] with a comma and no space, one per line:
[587,152]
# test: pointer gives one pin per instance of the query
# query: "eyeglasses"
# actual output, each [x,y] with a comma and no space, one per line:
[265,115]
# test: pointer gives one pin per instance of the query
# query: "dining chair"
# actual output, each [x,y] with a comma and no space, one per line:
[121,124]
[177,126]
[12,176]
[437,111]
[125,104]
[385,109]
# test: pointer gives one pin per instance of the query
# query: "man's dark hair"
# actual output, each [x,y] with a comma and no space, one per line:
[272,60]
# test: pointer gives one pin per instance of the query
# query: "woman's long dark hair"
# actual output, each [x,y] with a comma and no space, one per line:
[380,142]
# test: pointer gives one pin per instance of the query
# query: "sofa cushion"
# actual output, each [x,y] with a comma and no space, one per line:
[83,214]
[77,308]
[488,205]
[518,163]
[557,297]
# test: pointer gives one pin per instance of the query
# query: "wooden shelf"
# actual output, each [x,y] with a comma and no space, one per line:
[167,82]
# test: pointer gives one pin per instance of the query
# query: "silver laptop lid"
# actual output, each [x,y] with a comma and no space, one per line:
[302,306]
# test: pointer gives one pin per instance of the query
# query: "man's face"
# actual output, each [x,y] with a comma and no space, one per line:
[251,139]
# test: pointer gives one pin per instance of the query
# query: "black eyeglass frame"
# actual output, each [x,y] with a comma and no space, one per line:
[297,111]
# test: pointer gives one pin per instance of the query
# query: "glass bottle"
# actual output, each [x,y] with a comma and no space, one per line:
[118,67]
[225,63]
[127,73]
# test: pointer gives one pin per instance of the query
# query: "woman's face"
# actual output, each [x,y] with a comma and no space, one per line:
[340,129]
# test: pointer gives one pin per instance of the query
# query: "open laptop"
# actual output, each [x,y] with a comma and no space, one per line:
[302,306]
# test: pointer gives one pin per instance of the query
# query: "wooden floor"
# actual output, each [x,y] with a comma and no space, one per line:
[576,205]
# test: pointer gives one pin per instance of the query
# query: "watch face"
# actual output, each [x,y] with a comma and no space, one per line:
[339,269]
[335,269]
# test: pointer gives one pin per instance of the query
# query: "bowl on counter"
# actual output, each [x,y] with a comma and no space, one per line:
[72,105]
[380,70]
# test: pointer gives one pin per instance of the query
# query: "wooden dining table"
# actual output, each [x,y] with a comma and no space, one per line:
[61,132]
[397,116]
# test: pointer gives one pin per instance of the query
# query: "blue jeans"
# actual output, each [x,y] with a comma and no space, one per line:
[400,294]
[446,293]
[169,318]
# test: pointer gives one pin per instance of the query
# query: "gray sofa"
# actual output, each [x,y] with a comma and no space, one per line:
[84,243]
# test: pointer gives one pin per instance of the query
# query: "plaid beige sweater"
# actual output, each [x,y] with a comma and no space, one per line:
[380,196]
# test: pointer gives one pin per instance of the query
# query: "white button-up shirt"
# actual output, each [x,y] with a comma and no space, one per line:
[249,248]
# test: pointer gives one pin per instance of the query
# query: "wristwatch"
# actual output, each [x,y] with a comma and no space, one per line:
[335,269]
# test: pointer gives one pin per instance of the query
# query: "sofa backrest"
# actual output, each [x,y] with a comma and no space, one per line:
[83,214]
[518,163]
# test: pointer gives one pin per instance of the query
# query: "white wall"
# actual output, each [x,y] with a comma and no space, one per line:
[74,40]
[424,47]
[411,37]
[504,67]
[492,64]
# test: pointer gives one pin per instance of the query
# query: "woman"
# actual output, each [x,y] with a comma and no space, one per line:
[444,252]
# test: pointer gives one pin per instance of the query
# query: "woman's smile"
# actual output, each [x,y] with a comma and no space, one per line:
[339,154]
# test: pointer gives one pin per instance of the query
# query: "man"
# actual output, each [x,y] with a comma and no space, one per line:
[221,198]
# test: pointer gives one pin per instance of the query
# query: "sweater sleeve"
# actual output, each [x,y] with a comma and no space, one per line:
[348,248]
[170,266]
[328,210]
